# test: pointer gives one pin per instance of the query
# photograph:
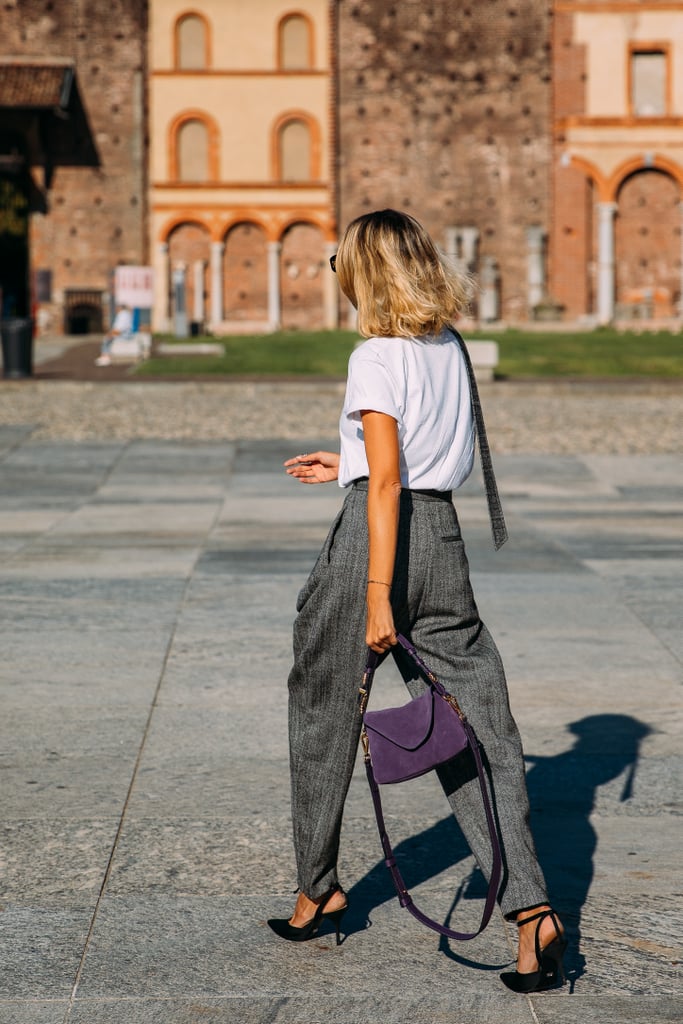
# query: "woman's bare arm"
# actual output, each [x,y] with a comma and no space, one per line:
[384,490]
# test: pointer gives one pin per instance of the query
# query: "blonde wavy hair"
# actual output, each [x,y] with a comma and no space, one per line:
[394,275]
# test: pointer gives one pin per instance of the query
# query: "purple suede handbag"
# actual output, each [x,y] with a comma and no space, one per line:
[413,739]
[405,742]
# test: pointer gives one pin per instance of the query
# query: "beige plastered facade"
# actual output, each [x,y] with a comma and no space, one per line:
[606,140]
[608,136]
[244,96]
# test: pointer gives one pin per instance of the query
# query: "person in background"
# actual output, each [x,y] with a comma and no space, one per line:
[121,328]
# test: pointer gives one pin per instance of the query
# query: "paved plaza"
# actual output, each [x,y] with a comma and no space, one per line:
[147,591]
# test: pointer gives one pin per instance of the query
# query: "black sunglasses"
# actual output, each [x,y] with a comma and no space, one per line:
[333,263]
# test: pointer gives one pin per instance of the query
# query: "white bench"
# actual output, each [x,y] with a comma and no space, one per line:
[131,350]
[484,356]
[190,348]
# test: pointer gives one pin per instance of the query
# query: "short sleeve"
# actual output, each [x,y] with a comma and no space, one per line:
[371,385]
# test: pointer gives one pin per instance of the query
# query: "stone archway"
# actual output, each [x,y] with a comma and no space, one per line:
[648,245]
[189,246]
[245,274]
[303,263]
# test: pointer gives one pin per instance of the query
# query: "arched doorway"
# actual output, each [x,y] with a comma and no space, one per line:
[303,262]
[83,311]
[246,274]
[189,248]
[648,245]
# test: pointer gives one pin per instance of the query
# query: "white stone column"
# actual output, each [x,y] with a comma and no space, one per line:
[274,307]
[461,246]
[605,310]
[330,290]
[535,237]
[488,297]
[161,313]
[181,327]
[470,238]
[216,296]
[198,292]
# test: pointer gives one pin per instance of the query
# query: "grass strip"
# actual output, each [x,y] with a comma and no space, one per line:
[601,353]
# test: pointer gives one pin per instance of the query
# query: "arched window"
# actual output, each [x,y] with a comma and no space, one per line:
[191,43]
[294,145]
[192,156]
[295,43]
[193,147]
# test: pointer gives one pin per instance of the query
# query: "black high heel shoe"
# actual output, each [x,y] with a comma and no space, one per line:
[285,930]
[549,959]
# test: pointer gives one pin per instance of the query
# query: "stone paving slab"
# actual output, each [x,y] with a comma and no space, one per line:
[294,1009]
[545,417]
[55,859]
[35,1011]
[222,945]
[146,599]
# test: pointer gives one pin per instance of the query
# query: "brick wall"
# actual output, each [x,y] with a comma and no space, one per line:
[303,265]
[96,216]
[444,111]
[572,250]
[569,68]
[571,267]
[648,241]
[245,271]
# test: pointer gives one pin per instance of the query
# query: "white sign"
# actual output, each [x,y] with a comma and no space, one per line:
[134,287]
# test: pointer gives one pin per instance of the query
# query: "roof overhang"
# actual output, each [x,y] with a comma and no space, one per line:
[40,103]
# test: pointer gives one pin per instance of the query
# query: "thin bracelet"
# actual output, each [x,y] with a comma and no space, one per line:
[380,583]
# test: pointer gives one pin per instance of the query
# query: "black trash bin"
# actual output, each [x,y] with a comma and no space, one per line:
[17,347]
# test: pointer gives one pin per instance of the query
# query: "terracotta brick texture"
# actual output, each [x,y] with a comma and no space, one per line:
[572,260]
[245,274]
[97,216]
[444,111]
[301,282]
[648,243]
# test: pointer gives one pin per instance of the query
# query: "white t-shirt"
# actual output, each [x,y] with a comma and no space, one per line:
[422,383]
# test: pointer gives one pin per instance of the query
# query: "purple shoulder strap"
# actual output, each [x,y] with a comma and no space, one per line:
[404,896]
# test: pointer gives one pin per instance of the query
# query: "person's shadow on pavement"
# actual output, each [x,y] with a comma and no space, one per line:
[562,792]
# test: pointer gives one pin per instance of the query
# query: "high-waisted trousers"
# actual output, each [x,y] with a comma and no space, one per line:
[434,606]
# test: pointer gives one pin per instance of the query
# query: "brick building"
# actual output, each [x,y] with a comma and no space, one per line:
[617,158]
[540,141]
[444,111]
[72,155]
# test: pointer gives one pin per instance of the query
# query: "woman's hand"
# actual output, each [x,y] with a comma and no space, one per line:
[314,468]
[380,632]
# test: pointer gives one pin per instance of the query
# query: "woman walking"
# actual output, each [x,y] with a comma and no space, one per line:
[393,562]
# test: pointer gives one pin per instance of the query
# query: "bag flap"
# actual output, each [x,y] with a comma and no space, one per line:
[406,727]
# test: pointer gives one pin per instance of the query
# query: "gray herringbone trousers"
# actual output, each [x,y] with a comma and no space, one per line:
[434,606]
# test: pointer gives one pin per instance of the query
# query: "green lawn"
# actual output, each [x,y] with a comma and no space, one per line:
[285,353]
[600,353]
